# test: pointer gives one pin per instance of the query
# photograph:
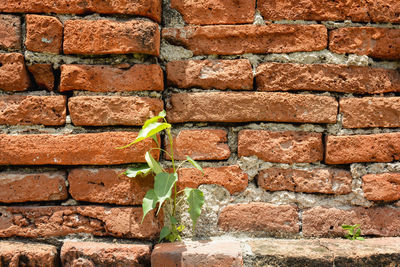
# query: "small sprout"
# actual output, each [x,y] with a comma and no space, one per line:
[353,232]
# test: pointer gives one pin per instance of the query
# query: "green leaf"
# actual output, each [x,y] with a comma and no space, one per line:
[153,164]
[154,137]
[360,238]
[180,228]
[195,198]
[149,202]
[358,232]
[163,184]
[173,220]
[345,226]
[161,115]
[151,130]
[165,231]
[132,172]
[195,164]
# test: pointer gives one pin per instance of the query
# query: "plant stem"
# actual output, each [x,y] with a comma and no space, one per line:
[173,166]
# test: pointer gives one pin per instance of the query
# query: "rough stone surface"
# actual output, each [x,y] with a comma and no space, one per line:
[147,8]
[108,186]
[376,221]
[111,79]
[374,42]
[283,147]
[13,74]
[112,110]
[216,12]
[230,177]
[211,74]
[43,75]
[240,39]
[28,254]
[73,149]
[251,106]
[370,112]
[43,34]
[104,254]
[362,148]
[203,253]
[49,221]
[276,220]
[326,181]
[204,144]
[10,32]
[382,187]
[99,37]
[28,110]
[326,77]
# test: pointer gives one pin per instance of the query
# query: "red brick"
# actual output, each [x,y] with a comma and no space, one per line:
[108,186]
[354,10]
[382,187]
[241,39]
[374,42]
[216,12]
[27,110]
[220,253]
[10,32]
[113,110]
[230,177]
[251,106]
[73,149]
[99,37]
[13,74]
[48,221]
[326,77]
[43,75]
[111,79]
[370,112]
[27,254]
[276,220]
[211,74]
[146,8]
[283,147]
[207,144]
[43,34]
[104,254]
[377,221]
[325,181]
[362,148]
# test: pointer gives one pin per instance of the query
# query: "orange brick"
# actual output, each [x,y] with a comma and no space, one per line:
[382,187]
[43,75]
[13,74]
[10,32]
[20,253]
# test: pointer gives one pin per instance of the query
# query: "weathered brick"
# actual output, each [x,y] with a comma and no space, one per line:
[221,253]
[377,221]
[24,187]
[13,74]
[27,254]
[98,37]
[146,8]
[48,221]
[370,41]
[251,106]
[382,187]
[112,110]
[10,32]
[283,147]
[216,12]
[241,39]
[326,181]
[207,144]
[326,77]
[111,79]
[276,220]
[19,109]
[43,75]
[73,149]
[354,10]
[362,148]
[43,34]
[211,74]
[108,186]
[370,112]
[230,177]
[104,254]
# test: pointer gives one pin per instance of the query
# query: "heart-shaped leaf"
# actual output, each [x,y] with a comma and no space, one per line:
[149,202]
[163,184]
[195,164]
[132,172]
[153,164]
[195,198]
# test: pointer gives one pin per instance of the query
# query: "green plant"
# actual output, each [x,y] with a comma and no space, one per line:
[353,232]
[165,183]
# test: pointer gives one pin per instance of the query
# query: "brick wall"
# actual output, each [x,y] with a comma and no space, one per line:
[291,107]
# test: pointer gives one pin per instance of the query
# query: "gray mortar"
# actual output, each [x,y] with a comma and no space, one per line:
[171,17]
[170,52]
